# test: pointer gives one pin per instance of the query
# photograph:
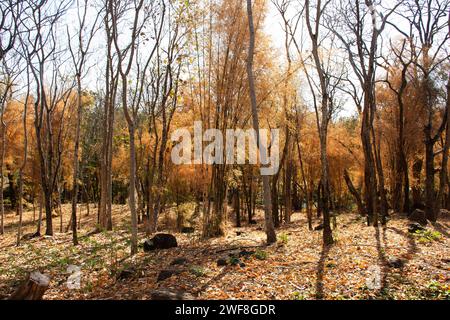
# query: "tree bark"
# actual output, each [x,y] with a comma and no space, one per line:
[76,163]
[355,194]
[443,177]
[2,178]
[270,230]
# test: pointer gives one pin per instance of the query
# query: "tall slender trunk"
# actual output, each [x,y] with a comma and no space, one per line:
[383,203]
[132,195]
[288,182]
[19,228]
[60,209]
[371,198]
[105,203]
[327,232]
[270,230]
[2,178]
[22,167]
[76,164]
[443,177]
[109,199]
[307,191]
[430,192]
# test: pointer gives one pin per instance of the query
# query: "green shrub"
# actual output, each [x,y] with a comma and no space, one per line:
[436,290]
[283,238]
[197,271]
[234,261]
[298,296]
[261,254]
[426,236]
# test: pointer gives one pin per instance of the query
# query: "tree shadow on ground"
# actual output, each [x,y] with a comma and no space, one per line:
[198,258]
[383,259]
[442,229]
[412,246]
[320,272]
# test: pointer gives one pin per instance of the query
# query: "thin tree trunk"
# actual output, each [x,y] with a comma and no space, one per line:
[41,209]
[270,230]
[48,213]
[382,191]
[444,166]
[76,163]
[19,228]
[354,193]
[60,210]
[2,178]
[237,207]
[132,196]
[307,191]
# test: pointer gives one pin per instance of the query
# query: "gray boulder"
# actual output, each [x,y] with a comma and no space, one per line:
[160,241]
[419,216]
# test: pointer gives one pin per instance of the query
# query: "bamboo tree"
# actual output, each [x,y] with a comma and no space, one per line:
[270,230]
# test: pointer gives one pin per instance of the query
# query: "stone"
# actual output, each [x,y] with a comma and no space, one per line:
[179,262]
[159,242]
[222,262]
[419,216]
[395,263]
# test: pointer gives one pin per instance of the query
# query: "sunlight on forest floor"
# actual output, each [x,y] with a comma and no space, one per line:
[295,268]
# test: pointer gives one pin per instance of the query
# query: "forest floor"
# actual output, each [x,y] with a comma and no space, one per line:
[401,265]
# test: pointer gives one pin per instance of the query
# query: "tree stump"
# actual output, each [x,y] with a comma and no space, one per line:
[33,287]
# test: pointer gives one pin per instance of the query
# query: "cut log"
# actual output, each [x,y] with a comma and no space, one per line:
[33,288]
